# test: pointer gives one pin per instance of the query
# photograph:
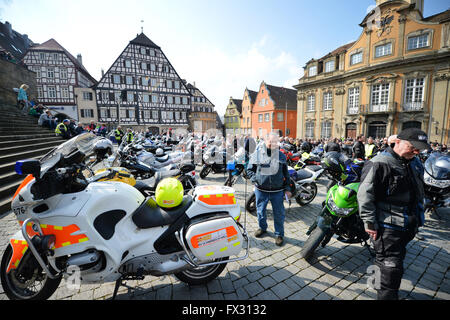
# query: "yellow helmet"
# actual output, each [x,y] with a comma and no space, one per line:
[169,193]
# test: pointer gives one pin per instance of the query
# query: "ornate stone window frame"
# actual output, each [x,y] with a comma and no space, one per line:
[420,32]
[356,51]
[382,43]
[415,75]
[350,86]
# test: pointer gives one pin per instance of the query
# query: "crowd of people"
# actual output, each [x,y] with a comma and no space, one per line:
[360,147]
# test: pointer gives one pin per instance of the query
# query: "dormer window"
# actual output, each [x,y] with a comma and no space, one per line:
[312,71]
[329,66]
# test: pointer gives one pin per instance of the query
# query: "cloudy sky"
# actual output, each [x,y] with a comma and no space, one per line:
[222,46]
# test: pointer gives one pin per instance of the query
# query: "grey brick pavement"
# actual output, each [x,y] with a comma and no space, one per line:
[336,272]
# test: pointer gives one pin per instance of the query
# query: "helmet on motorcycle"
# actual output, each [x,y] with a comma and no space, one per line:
[334,163]
[169,193]
[138,147]
[305,147]
[159,152]
[102,147]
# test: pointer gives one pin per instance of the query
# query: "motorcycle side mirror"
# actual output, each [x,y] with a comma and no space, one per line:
[30,166]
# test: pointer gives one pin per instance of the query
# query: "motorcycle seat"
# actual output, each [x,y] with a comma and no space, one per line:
[163,158]
[314,168]
[150,215]
[303,174]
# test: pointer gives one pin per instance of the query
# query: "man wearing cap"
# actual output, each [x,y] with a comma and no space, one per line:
[62,129]
[390,199]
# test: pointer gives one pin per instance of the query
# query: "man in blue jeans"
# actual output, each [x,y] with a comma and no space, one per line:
[268,170]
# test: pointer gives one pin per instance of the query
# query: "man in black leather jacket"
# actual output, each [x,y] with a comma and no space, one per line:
[390,199]
[358,148]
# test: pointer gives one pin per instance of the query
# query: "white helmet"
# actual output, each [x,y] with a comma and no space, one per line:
[103,147]
[159,152]
[103,144]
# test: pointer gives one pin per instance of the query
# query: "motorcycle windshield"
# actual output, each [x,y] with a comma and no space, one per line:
[84,142]
[438,166]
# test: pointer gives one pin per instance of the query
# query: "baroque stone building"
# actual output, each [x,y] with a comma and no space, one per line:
[394,76]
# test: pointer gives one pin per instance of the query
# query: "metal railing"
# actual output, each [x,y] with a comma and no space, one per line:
[413,106]
[390,107]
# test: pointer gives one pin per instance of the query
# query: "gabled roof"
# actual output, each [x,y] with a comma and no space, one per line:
[282,96]
[53,45]
[338,51]
[238,104]
[192,87]
[15,43]
[142,39]
[252,94]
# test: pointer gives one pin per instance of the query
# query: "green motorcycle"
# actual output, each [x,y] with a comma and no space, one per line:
[339,215]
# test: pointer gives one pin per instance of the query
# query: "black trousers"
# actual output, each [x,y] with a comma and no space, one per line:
[390,250]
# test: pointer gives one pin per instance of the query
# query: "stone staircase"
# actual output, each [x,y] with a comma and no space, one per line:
[20,138]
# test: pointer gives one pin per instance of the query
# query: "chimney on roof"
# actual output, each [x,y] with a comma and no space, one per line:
[9,28]
[80,59]
[194,84]
[103,73]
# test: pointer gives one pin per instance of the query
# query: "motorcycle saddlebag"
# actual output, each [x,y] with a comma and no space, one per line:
[214,238]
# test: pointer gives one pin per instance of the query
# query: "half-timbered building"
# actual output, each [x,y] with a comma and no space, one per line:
[202,117]
[57,74]
[142,90]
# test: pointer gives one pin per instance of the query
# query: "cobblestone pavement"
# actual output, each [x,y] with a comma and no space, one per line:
[338,271]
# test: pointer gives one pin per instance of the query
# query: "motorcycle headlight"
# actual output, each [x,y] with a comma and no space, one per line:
[339,211]
[442,184]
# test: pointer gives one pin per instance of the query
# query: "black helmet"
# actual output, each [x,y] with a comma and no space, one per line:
[305,147]
[334,163]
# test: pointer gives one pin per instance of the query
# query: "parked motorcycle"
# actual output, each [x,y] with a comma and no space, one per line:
[108,231]
[303,188]
[437,182]
[236,167]
[339,213]
[214,161]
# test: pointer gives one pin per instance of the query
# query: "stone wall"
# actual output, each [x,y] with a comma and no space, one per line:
[13,76]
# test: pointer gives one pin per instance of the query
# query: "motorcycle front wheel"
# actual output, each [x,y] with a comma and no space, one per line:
[306,194]
[30,284]
[230,181]
[313,241]
[201,275]
[205,171]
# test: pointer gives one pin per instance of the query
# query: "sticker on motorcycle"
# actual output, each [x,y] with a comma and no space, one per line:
[209,238]
[19,248]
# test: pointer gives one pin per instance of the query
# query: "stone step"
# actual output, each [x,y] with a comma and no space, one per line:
[29,142]
[9,189]
[23,126]
[24,148]
[18,137]
[7,167]
[33,154]
[5,206]
[10,177]
[28,131]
